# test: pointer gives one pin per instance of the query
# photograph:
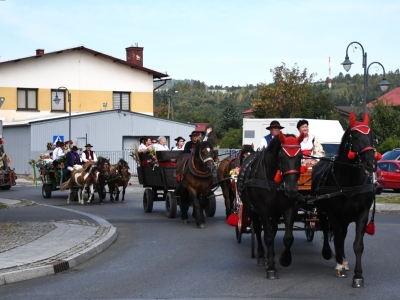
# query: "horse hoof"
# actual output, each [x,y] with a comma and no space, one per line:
[285,260]
[101,203]
[272,274]
[201,226]
[327,253]
[340,274]
[123,201]
[261,262]
[358,282]
[185,221]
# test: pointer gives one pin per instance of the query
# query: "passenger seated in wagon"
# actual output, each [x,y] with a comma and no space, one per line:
[144,152]
[72,161]
[310,146]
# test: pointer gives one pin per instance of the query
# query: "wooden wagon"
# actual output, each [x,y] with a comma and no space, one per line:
[160,184]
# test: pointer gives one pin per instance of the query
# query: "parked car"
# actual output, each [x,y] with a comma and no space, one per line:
[388,175]
[392,154]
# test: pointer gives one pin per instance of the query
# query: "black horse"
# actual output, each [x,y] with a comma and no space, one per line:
[224,168]
[195,177]
[266,199]
[347,183]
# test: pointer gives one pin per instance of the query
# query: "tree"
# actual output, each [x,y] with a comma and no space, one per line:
[286,96]
[232,139]
[384,122]
[229,118]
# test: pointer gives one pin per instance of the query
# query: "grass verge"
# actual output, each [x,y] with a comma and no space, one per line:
[388,199]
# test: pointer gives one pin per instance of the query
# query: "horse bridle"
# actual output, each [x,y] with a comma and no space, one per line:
[364,129]
[286,149]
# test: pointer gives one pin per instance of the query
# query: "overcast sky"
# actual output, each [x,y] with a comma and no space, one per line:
[218,42]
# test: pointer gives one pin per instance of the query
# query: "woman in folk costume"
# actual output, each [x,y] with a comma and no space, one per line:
[162,144]
[88,154]
[180,144]
[3,156]
[310,146]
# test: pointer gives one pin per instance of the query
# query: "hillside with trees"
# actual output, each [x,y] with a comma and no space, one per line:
[293,93]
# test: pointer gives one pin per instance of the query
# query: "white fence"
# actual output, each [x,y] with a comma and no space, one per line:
[114,157]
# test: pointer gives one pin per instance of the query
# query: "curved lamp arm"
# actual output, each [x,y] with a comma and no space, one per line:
[384,84]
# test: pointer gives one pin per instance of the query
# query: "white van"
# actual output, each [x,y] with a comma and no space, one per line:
[328,132]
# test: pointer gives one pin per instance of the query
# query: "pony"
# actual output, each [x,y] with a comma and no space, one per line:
[266,198]
[120,176]
[348,187]
[82,177]
[195,181]
[103,167]
[224,168]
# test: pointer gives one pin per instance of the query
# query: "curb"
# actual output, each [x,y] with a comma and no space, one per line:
[62,265]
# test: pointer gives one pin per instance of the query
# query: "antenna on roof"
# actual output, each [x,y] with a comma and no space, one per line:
[136,44]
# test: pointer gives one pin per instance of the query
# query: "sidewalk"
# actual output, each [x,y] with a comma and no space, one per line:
[31,249]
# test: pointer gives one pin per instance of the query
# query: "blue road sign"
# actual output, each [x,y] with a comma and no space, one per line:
[57,138]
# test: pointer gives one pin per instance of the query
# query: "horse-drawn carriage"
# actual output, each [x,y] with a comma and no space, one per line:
[342,191]
[305,219]
[53,177]
[161,184]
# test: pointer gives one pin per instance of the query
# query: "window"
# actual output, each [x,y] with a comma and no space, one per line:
[121,100]
[27,99]
[61,105]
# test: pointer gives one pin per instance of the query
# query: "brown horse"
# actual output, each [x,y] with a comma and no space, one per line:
[103,166]
[82,177]
[224,168]
[120,176]
[195,176]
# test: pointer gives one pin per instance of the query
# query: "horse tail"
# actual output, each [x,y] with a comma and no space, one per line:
[64,185]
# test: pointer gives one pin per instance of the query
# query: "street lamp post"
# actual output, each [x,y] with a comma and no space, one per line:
[57,101]
[170,104]
[347,65]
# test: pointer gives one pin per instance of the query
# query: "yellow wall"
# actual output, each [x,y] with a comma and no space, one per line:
[11,98]
[81,100]
[142,102]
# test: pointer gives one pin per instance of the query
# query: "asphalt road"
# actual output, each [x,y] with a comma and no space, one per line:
[157,257]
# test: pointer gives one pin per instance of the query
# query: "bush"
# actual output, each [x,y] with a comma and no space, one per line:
[389,144]
[232,139]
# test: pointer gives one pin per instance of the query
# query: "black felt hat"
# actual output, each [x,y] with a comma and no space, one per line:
[88,145]
[274,124]
[179,138]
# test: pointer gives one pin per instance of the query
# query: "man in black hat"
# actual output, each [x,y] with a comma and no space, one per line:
[194,138]
[72,159]
[274,129]
[88,154]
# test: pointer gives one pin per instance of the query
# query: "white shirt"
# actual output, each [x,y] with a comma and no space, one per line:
[58,153]
[178,149]
[84,159]
[159,147]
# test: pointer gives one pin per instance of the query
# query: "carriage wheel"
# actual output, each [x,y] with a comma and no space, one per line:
[211,207]
[46,191]
[171,205]
[148,200]
[309,232]
[238,234]
[253,242]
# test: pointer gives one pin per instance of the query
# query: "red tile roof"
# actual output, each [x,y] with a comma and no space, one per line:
[391,98]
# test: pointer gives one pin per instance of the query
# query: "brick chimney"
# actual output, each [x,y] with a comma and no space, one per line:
[39,52]
[134,55]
